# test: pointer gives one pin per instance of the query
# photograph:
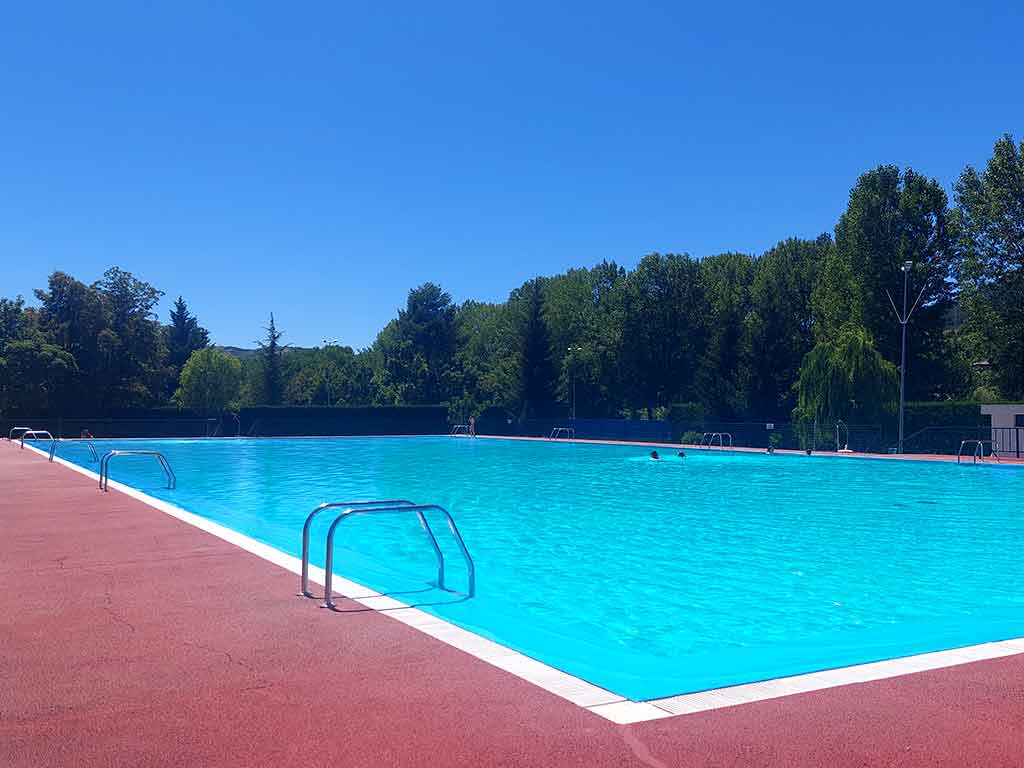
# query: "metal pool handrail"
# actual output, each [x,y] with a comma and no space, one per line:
[418,510]
[90,446]
[172,481]
[570,433]
[304,579]
[35,434]
[979,450]
[10,435]
[459,429]
[710,437]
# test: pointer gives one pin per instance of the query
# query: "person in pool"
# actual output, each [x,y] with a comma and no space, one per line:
[654,456]
[682,455]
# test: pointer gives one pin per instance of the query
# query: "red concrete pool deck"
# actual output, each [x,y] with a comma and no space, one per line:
[129,638]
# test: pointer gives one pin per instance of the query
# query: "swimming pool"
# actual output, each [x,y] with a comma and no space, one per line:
[649,579]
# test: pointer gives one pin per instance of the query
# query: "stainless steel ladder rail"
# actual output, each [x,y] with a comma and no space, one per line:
[35,434]
[10,435]
[959,453]
[459,429]
[172,481]
[418,510]
[710,437]
[304,579]
[979,450]
[569,432]
[86,443]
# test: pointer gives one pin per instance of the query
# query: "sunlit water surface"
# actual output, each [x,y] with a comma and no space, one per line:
[647,578]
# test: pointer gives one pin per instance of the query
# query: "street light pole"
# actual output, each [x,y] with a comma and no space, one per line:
[323,371]
[572,351]
[903,319]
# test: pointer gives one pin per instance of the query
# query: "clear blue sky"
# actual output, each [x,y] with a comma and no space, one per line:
[319,159]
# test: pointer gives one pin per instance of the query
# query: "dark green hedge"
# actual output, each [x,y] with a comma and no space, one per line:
[354,420]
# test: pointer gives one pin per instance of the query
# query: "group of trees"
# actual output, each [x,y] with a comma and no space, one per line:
[92,348]
[806,330]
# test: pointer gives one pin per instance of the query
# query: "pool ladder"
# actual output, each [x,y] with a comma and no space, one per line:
[172,481]
[569,433]
[979,450]
[374,507]
[34,434]
[92,448]
[707,440]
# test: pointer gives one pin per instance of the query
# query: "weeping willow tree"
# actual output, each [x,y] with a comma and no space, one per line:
[846,378]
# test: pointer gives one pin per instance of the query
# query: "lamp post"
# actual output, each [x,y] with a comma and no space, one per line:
[903,319]
[323,370]
[573,350]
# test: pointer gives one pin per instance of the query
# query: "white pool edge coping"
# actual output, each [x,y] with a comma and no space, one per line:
[582,693]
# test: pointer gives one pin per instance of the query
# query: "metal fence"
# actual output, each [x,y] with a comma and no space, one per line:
[862,438]
[632,430]
[1006,441]
[116,427]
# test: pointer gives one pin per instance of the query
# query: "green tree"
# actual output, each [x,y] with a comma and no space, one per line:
[991,217]
[723,369]
[133,341]
[893,217]
[182,337]
[485,359]
[779,326]
[12,320]
[270,354]
[536,385]
[75,317]
[211,381]
[36,376]
[184,334]
[846,378]
[582,311]
[662,331]
[416,351]
[333,375]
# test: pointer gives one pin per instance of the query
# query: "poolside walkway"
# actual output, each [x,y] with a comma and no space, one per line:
[129,638]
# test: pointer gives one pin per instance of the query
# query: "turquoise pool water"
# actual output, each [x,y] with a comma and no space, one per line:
[646,578]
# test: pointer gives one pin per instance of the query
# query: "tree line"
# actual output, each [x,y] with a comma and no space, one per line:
[806,330]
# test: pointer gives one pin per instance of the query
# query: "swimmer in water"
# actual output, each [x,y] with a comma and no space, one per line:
[654,456]
[682,455]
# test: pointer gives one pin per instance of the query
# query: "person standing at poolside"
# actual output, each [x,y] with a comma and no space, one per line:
[472,426]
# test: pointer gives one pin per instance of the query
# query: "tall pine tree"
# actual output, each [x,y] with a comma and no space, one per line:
[270,357]
[184,335]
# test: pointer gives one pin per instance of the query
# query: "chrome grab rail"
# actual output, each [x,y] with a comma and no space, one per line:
[35,434]
[569,432]
[10,435]
[90,446]
[710,437]
[172,481]
[458,429]
[304,579]
[979,450]
[418,510]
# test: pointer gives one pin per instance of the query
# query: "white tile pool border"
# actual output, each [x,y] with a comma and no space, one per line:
[597,700]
